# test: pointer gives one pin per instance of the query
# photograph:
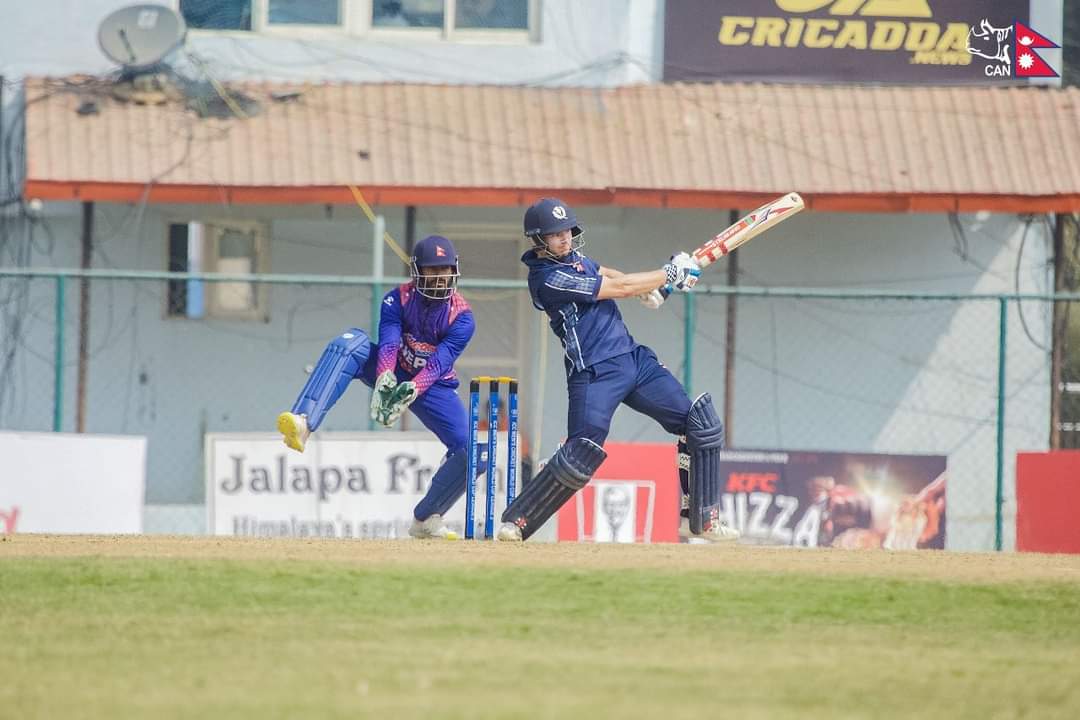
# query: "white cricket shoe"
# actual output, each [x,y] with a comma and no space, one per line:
[508,532]
[718,532]
[294,430]
[431,528]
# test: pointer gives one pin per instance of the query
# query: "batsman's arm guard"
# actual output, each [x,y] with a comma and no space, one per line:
[704,440]
[569,470]
[341,361]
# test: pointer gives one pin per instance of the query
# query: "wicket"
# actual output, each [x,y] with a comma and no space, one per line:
[474,450]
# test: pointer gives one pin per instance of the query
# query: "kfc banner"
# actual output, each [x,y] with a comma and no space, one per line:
[633,497]
[348,485]
[832,499]
[889,41]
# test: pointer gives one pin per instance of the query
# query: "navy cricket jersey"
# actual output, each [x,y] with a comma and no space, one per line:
[590,330]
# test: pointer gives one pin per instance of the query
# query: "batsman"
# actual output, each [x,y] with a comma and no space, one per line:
[424,326]
[605,367]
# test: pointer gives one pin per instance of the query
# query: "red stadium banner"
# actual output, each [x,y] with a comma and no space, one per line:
[1047,495]
[633,497]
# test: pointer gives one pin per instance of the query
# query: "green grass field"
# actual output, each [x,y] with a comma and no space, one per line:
[211,628]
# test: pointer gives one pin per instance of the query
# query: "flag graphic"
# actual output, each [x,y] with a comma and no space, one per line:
[1029,63]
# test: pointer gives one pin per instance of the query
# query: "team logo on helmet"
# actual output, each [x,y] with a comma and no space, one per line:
[559,212]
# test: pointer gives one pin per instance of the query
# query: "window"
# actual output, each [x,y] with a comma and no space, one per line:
[466,14]
[491,15]
[261,14]
[217,14]
[489,20]
[304,12]
[231,248]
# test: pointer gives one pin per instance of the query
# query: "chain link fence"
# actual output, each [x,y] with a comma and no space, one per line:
[892,374]
[173,356]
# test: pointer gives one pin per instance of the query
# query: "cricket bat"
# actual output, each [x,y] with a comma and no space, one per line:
[749,227]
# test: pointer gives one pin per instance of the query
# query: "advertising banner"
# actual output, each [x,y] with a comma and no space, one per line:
[1047,497]
[835,499]
[347,485]
[887,41]
[66,483]
[633,497]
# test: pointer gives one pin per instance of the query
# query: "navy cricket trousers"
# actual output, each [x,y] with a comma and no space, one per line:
[636,378]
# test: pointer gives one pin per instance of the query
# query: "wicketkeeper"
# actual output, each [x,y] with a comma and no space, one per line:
[424,327]
[606,367]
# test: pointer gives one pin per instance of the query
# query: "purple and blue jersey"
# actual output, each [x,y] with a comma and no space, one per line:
[590,330]
[420,340]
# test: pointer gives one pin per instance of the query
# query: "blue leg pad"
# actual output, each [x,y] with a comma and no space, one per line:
[569,470]
[342,361]
[447,486]
[704,440]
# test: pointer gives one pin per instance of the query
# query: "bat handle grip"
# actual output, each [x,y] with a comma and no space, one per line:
[665,291]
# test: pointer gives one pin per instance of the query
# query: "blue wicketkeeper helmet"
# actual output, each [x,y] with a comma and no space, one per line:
[435,251]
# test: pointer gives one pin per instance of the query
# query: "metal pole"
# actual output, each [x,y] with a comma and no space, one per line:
[58,377]
[729,343]
[84,316]
[410,246]
[999,496]
[410,229]
[377,288]
[1058,339]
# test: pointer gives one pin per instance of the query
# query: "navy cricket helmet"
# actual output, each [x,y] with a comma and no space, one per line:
[551,215]
[432,252]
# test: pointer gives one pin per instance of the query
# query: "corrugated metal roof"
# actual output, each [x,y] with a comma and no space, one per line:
[684,138]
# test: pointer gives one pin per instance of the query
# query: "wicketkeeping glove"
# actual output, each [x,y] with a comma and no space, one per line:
[400,399]
[381,392]
[390,398]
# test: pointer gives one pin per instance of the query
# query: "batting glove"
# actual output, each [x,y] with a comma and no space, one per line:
[652,300]
[682,272]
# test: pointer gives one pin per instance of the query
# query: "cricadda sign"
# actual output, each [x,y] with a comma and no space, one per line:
[890,41]
[345,485]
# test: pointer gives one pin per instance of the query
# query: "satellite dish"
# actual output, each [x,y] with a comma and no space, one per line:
[139,36]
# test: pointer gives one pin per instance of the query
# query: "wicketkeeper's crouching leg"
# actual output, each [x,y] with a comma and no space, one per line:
[448,484]
[569,470]
[342,361]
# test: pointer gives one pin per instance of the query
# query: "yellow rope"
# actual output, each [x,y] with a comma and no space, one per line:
[224,95]
[359,197]
[220,89]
